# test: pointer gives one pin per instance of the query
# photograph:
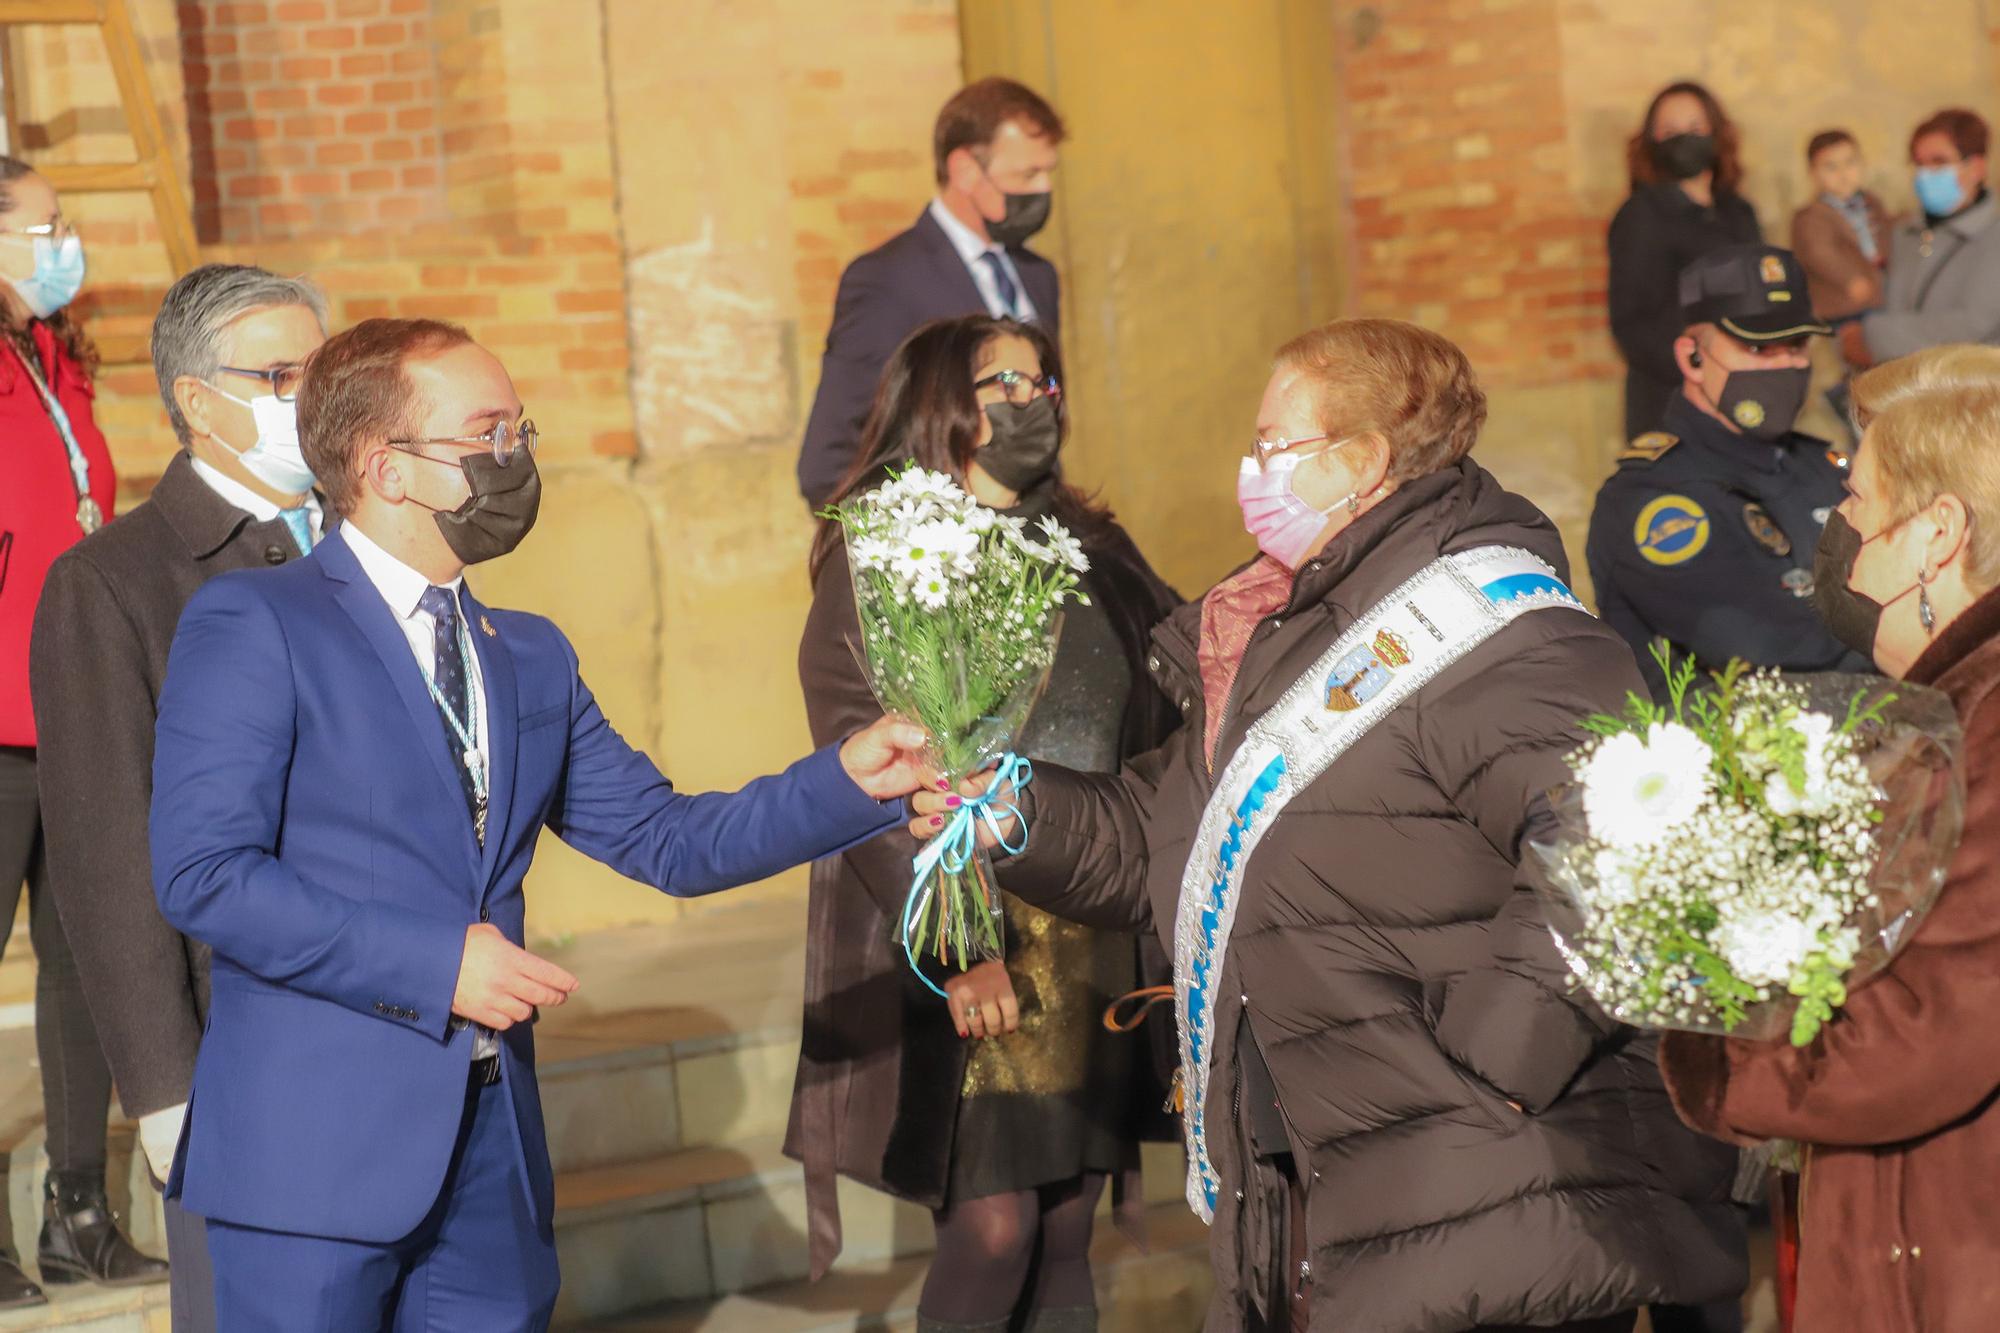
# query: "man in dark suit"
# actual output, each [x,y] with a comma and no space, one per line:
[228,345]
[353,762]
[995,154]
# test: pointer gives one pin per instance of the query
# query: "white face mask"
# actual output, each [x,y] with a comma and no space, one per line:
[275,459]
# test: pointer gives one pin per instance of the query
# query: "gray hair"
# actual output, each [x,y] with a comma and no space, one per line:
[187,333]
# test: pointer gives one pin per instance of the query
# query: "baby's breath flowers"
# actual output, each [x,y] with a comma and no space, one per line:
[1722,864]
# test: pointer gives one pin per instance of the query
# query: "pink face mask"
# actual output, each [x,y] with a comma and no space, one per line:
[1284,525]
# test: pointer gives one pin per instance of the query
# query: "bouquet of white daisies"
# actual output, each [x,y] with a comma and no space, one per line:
[960,611]
[1733,860]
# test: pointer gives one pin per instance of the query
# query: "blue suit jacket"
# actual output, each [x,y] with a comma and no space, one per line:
[307,824]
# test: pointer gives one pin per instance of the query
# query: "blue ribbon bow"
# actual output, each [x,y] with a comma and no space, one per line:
[953,849]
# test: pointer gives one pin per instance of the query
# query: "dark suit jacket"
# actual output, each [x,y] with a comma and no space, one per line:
[309,824]
[97,659]
[885,296]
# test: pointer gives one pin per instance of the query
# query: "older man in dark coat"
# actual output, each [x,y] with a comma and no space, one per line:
[227,348]
[995,149]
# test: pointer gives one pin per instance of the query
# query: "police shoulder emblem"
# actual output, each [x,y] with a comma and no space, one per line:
[1671,530]
[1764,531]
[1362,674]
[1649,447]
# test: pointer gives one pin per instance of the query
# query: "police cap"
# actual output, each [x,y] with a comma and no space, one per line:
[1753,292]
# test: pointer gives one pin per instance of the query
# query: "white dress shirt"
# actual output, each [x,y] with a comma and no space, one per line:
[970,248]
[402,587]
[251,503]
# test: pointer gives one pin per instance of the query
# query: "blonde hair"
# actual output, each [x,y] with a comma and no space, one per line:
[1932,423]
[1413,388]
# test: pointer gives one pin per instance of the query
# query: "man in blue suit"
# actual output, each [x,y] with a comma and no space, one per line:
[353,760]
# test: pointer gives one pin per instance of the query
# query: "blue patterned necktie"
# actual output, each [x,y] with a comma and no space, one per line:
[1010,295]
[299,519]
[453,686]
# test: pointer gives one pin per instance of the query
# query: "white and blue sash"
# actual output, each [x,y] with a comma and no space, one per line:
[1443,612]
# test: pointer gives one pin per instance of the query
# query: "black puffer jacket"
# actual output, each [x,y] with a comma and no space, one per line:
[1396,974]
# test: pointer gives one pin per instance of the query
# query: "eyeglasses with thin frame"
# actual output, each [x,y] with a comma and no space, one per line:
[284,380]
[1019,388]
[57,230]
[1265,450]
[503,439]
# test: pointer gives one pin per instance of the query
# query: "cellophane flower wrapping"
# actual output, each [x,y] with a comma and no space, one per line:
[1735,860]
[960,610]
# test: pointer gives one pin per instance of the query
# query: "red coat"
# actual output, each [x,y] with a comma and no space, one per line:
[1900,1094]
[38,504]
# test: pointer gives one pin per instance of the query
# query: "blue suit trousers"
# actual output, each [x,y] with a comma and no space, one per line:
[478,1263]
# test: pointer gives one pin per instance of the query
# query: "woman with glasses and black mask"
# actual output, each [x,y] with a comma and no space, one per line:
[1003,1110]
[56,487]
[1685,171]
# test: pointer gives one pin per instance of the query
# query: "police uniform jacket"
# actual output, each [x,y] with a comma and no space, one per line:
[1705,538]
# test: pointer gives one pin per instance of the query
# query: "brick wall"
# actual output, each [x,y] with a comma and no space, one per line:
[310,117]
[1463,216]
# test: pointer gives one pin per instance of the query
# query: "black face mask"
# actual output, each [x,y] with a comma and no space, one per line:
[1853,617]
[1684,156]
[1765,404]
[1026,215]
[1023,449]
[502,507]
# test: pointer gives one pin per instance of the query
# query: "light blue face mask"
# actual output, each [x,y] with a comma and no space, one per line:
[1938,190]
[57,278]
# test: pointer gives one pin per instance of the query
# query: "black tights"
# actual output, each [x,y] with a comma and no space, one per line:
[1004,1253]
[76,1083]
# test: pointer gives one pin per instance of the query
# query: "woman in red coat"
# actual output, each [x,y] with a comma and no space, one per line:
[1898,1098]
[56,486]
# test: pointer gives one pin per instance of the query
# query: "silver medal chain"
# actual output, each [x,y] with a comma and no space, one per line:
[467,731]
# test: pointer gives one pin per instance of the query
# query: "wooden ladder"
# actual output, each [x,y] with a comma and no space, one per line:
[152,169]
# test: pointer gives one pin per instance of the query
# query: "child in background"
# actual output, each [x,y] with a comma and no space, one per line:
[1841,237]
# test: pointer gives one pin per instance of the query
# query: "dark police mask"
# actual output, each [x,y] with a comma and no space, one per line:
[1765,404]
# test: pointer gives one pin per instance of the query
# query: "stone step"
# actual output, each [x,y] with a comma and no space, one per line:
[709,1222]
[1165,1288]
[680,1037]
[703,1223]
[95,1310]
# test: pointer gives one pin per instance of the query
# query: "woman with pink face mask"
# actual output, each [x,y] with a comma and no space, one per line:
[1399,1115]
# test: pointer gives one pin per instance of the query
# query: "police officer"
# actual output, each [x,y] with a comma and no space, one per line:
[1704,535]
